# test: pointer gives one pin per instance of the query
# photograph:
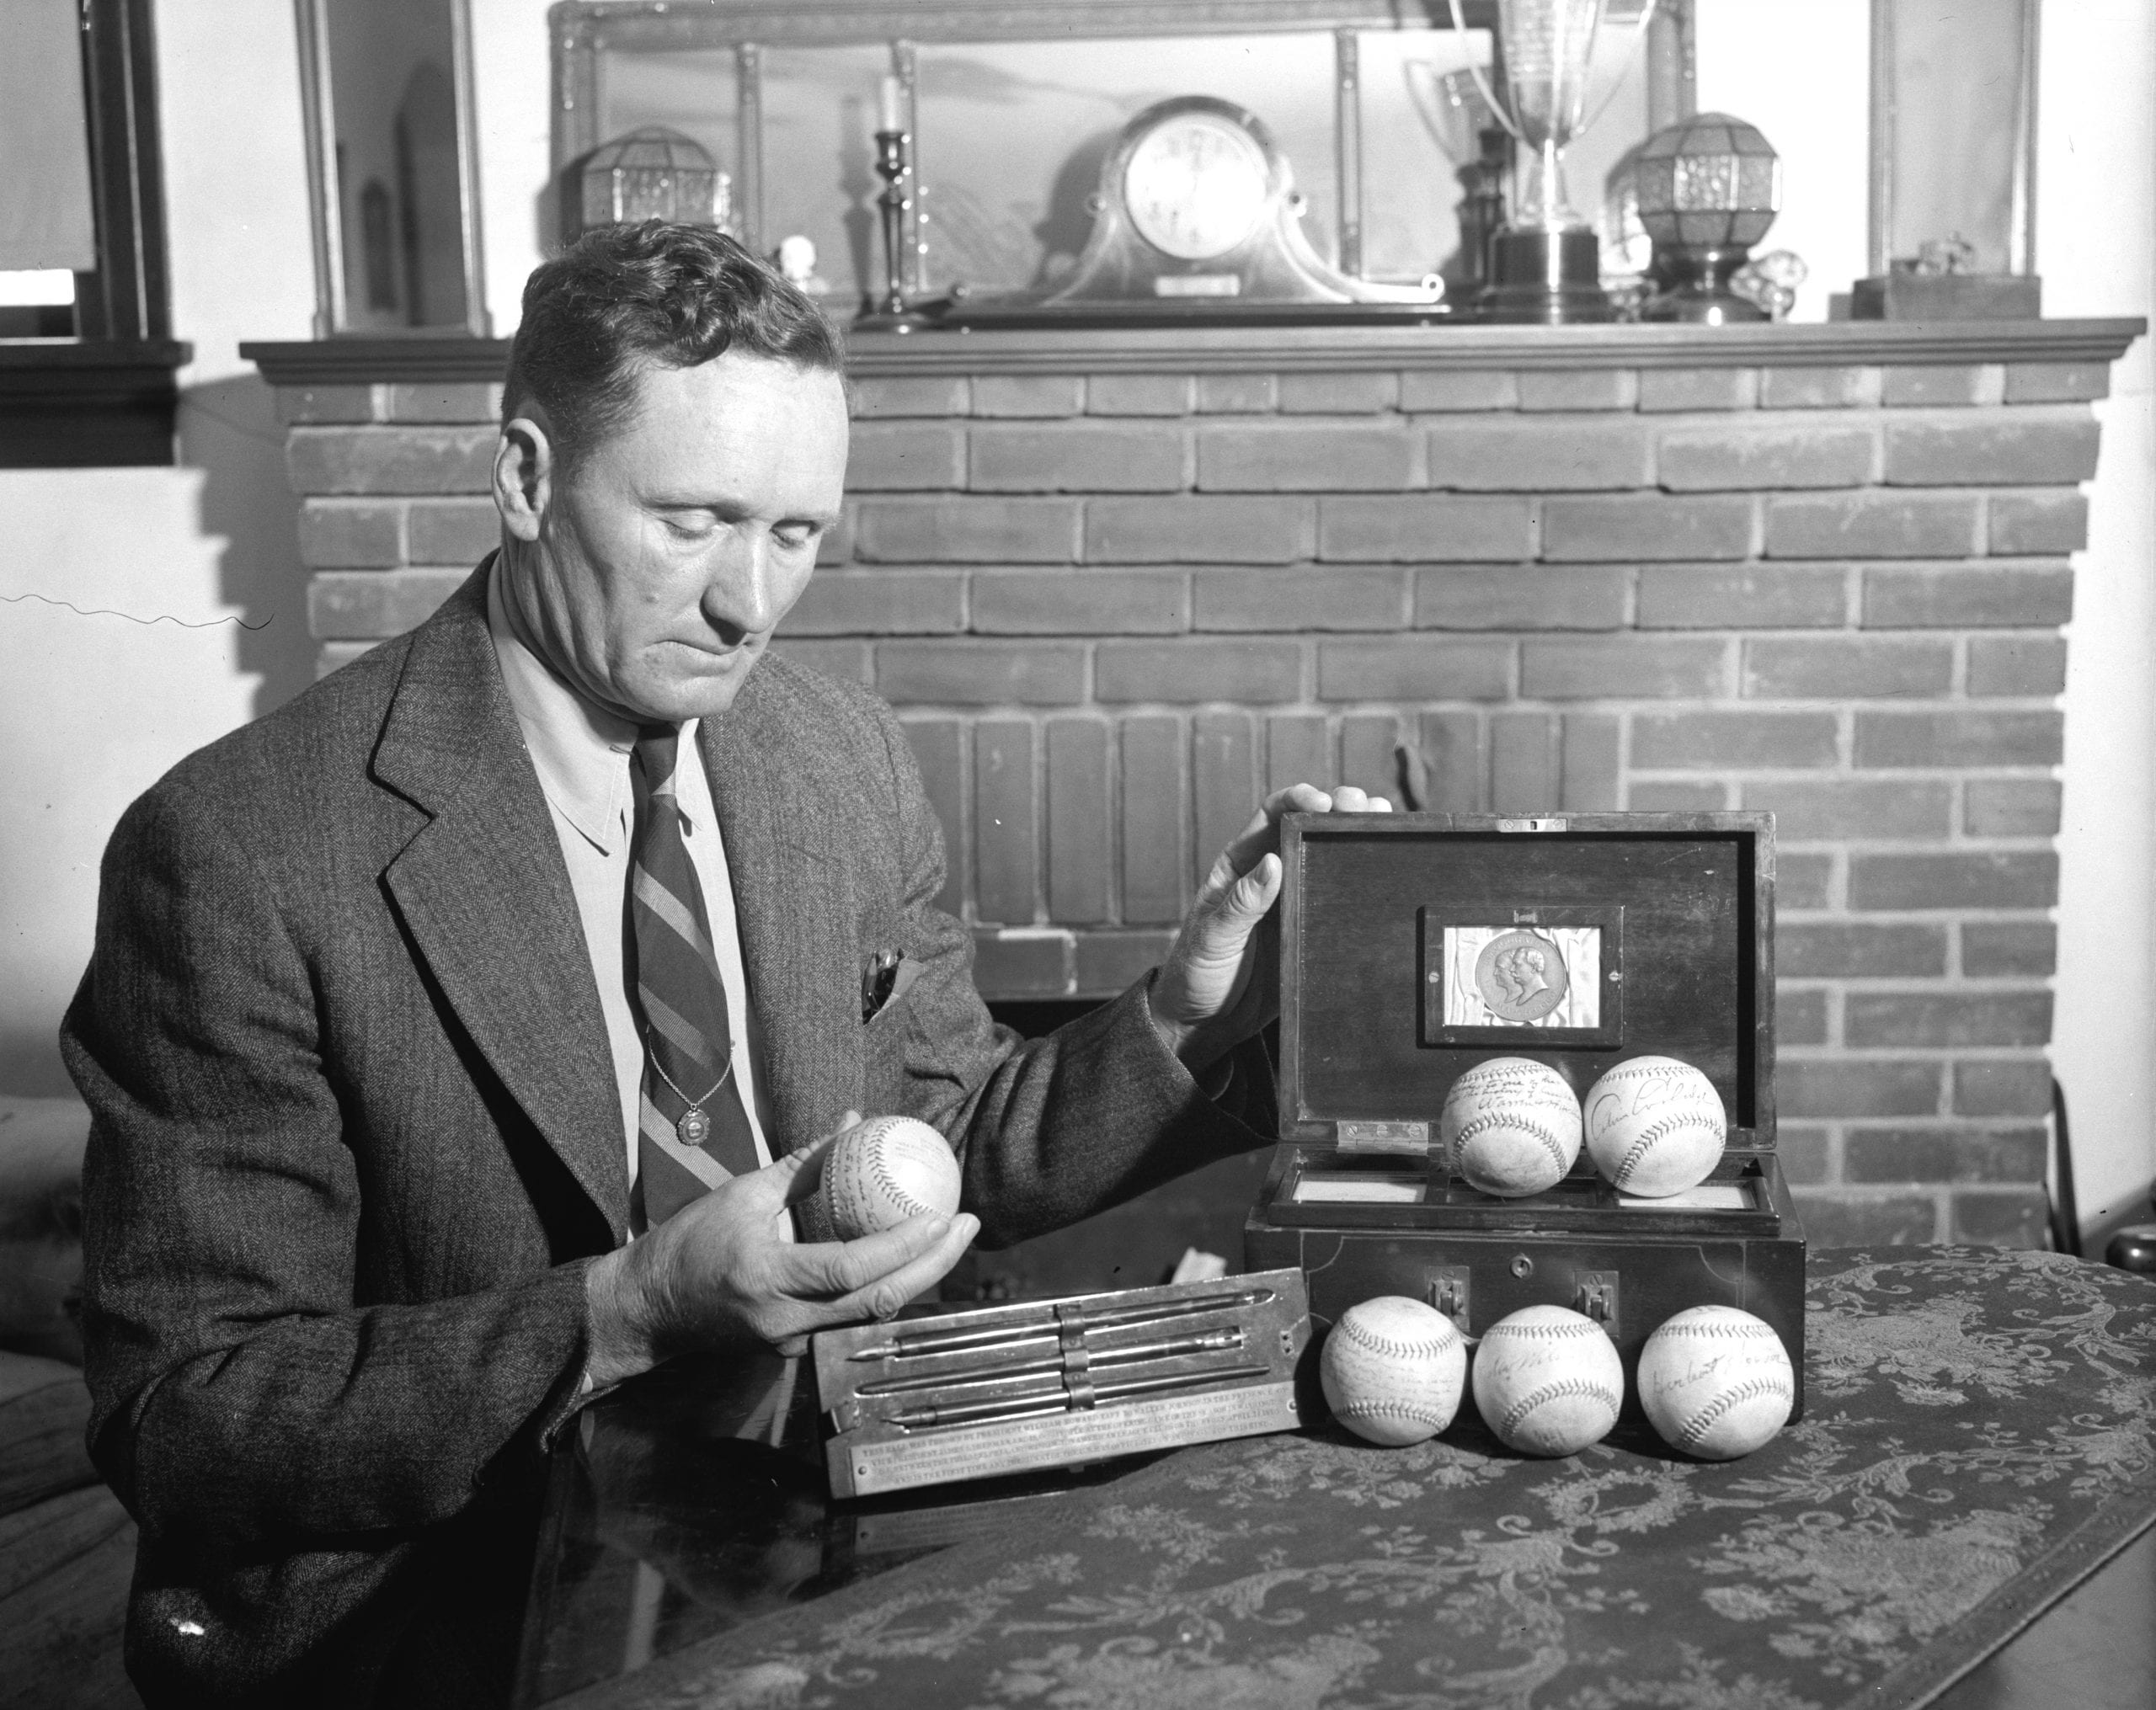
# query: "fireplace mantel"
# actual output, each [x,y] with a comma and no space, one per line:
[1337,349]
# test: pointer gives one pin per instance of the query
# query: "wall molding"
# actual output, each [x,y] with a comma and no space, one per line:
[69,404]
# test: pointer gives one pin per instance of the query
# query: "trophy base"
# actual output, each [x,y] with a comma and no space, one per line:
[1699,293]
[1544,278]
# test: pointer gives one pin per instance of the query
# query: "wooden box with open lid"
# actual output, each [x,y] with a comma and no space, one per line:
[1651,934]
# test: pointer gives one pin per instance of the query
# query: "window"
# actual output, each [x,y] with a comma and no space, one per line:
[86,356]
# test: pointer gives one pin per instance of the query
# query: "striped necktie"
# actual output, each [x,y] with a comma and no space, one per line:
[692,1131]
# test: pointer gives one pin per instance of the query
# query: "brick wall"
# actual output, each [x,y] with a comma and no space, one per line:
[1114,607]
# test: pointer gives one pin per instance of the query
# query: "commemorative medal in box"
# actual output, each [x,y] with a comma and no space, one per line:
[1414,945]
[987,1390]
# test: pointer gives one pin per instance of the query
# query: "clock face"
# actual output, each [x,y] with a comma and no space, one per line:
[1196,185]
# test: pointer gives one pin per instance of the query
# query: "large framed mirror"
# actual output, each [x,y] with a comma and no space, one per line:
[1954,133]
[393,168]
[1010,111]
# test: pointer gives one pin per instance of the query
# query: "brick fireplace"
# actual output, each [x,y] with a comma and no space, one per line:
[1119,585]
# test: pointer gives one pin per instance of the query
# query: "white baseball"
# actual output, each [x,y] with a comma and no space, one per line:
[881,1172]
[1548,1381]
[1392,1370]
[1655,1126]
[1716,1383]
[1510,1126]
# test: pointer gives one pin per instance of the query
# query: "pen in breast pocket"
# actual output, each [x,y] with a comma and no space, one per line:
[878,975]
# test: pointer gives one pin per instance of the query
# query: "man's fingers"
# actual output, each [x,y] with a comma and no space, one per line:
[1252,895]
[840,1268]
[882,1298]
[802,1182]
[773,1188]
[1296,798]
[1260,836]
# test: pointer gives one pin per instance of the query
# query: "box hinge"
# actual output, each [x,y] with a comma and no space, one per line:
[1412,1138]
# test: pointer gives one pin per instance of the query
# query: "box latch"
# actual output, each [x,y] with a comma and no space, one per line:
[1595,1296]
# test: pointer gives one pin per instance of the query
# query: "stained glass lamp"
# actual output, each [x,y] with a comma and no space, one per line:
[654,173]
[1708,188]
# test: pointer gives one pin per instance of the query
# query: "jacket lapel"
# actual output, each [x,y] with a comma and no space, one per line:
[484,894]
[783,838]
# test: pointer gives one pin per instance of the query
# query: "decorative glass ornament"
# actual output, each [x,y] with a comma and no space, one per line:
[1708,188]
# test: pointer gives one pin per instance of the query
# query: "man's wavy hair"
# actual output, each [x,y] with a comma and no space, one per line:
[622,299]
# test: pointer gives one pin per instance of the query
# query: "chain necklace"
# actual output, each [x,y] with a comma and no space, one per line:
[694,1127]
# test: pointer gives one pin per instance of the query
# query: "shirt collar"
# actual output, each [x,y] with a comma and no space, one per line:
[581,752]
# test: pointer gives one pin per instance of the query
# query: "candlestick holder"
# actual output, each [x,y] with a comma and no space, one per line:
[892,151]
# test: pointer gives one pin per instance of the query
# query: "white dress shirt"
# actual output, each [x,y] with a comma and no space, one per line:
[582,755]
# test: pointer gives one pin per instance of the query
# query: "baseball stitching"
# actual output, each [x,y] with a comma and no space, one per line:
[1476,1126]
[905,1201]
[879,1168]
[1377,1409]
[1656,1135]
[1637,1070]
[1556,1328]
[1725,1326]
[1703,1421]
[1555,1391]
[1396,1351]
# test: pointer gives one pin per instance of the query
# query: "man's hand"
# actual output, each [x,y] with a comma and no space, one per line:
[726,1270]
[1220,983]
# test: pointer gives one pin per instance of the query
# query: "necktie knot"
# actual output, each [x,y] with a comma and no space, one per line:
[658,745]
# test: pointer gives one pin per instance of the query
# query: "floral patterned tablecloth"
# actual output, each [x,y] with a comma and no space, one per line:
[1980,1432]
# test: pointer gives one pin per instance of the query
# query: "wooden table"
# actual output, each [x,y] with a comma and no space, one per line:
[1979,1448]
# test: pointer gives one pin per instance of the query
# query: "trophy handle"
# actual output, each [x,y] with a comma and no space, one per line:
[1482,84]
[1639,35]
[1430,93]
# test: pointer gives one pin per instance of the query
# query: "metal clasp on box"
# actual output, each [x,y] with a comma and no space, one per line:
[1596,1297]
[1447,1291]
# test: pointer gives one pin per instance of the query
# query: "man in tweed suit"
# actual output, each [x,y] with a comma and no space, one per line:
[372,1198]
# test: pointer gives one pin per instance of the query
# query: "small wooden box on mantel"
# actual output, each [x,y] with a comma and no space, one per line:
[1656,931]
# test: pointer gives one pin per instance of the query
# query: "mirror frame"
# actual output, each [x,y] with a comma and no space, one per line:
[319,121]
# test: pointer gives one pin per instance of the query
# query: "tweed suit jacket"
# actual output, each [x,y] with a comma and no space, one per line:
[356,1136]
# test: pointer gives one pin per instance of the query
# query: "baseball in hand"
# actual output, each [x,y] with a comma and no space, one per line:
[1510,1126]
[879,1173]
[1548,1381]
[1715,1382]
[1654,1127]
[1392,1370]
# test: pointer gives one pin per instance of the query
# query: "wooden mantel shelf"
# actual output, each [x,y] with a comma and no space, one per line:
[1232,350]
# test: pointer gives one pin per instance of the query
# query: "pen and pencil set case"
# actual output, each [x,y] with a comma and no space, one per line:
[989,1391]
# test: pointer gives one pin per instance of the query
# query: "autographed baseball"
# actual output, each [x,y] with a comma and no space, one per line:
[1654,1127]
[1510,1126]
[1715,1382]
[1548,1381]
[1392,1370]
[881,1172]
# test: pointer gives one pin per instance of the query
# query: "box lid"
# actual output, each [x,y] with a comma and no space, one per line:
[1414,945]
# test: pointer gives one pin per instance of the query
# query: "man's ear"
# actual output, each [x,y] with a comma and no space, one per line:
[525,464]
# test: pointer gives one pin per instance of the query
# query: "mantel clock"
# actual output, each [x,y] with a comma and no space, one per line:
[1198,216]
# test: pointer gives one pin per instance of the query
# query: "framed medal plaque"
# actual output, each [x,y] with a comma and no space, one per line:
[1530,979]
